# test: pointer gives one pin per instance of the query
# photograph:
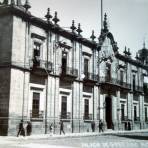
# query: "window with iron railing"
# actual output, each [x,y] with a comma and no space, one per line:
[121,77]
[64,62]
[134,82]
[86,66]
[135,113]
[122,111]
[64,107]
[146,117]
[35,105]
[108,72]
[36,53]
[86,109]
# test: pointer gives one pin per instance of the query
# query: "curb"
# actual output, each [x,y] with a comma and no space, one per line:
[74,135]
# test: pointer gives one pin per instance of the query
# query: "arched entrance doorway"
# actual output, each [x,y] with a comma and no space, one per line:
[108,117]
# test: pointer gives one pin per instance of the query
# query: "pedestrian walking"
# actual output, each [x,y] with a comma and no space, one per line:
[51,128]
[101,126]
[21,130]
[93,126]
[61,127]
[29,128]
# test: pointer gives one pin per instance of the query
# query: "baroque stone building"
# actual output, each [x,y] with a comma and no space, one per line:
[50,74]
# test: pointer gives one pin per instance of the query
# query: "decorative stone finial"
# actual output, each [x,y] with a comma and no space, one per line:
[93,36]
[48,16]
[129,52]
[125,51]
[27,5]
[144,45]
[79,30]
[73,28]
[55,19]
[137,57]
[105,23]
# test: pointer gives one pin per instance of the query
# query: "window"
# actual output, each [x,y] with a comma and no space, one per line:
[36,54]
[135,113]
[108,72]
[146,118]
[121,76]
[36,105]
[134,81]
[64,62]
[64,107]
[122,112]
[86,64]
[86,109]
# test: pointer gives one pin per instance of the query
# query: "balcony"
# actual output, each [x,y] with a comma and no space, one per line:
[69,73]
[65,116]
[90,77]
[87,117]
[40,67]
[124,84]
[138,89]
[114,82]
[124,118]
[36,115]
[136,119]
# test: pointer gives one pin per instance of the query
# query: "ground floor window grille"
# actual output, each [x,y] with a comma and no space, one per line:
[64,107]
[135,113]
[146,118]
[36,105]
[86,109]
[122,112]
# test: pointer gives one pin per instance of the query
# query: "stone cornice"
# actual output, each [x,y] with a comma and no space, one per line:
[26,16]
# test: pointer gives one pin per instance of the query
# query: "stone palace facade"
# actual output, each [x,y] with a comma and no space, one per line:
[48,74]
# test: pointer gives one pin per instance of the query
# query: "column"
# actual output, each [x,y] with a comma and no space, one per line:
[96,103]
[118,111]
[141,111]
[114,111]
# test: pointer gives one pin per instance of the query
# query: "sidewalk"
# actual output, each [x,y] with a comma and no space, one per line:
[73,135]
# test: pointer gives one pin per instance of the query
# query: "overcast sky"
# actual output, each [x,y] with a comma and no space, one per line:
[128,19]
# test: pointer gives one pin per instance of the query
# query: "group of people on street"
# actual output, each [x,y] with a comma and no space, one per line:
[61,128]
[27,131]
[24,131]
[101,126]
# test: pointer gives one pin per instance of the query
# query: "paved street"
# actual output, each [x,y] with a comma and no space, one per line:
[122,140]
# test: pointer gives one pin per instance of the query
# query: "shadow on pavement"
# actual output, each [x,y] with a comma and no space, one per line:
[138,137]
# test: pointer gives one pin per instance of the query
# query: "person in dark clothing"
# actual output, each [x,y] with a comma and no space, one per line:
[93,126]
[112,126]
[129,125]
[126,125]
[101,126]
[29,128]
[61,127]
[51,128]
[21,130]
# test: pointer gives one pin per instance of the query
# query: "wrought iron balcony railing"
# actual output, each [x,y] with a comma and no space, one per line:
[42,64]
[87,117]
[124,118]
[91,76]
[66,115]
[136,118]
[138,88]
[114,81]
[36,114]
[69,71]
[124,84]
